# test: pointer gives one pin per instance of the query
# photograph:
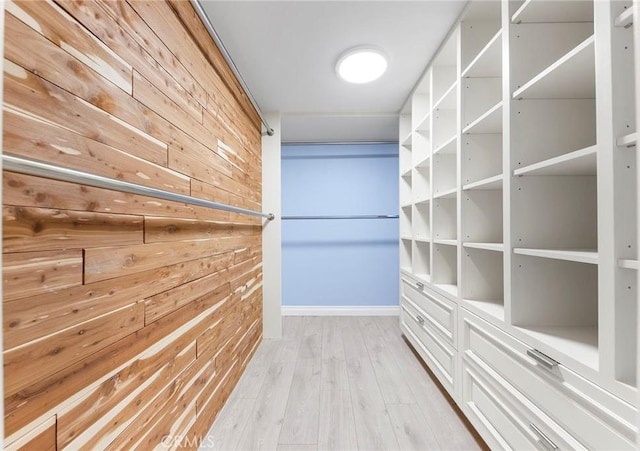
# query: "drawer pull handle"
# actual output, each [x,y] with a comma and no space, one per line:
[546,441]
[420,285]
[420,319]
[542,359]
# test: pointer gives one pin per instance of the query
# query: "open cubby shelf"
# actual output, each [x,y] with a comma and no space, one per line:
[424,163]
[571,77]
[448,99]
[556,11]
[449,288]
[556,301]
[447,147]
[421,257]
[488,63]
[492,307]
[483,280]
[445,219]
[424,124]
[543,129]
[489,122]
[578,342]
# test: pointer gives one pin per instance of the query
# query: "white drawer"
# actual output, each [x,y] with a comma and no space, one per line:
[593,416]
[439,311]
[439,355]
[505,418]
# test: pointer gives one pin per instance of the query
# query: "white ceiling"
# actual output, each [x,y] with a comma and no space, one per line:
[287,51]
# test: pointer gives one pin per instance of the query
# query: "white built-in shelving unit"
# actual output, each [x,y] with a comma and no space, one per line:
[519,194]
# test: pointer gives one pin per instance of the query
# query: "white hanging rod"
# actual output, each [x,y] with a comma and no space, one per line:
[38,168]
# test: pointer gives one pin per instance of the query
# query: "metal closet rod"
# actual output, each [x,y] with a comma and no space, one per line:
[343,217]
[38,168]
[207,23]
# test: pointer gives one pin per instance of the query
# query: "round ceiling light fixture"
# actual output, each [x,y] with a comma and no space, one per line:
[361,65]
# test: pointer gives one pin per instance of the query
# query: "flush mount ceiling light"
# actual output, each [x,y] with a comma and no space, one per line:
[361,65]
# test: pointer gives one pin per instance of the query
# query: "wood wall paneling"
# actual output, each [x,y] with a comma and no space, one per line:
[28,274]
[125,318]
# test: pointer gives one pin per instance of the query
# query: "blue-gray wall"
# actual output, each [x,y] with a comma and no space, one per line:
[340,262]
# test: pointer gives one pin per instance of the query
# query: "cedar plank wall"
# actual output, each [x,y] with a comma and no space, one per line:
[126,318]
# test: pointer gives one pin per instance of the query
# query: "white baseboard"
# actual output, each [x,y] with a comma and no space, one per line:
[339,310]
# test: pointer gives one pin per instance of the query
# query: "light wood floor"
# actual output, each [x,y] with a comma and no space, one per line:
[342,383]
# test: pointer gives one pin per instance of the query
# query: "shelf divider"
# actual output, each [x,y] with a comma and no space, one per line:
[489,122]
[446,194]
[570,77]
[496,247]
[446,242]
[544,11]
[493,307]
[628,264]
[488,58]
[579,162]
[630,140]
[625,19]
[589,256]
[441,100]
[447,147]
[490,183]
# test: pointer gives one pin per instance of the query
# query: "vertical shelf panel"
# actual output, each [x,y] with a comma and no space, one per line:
[625,180]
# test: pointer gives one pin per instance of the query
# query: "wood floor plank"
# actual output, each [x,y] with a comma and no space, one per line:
[389,374]
[265,422]
[226,431]
[288,350]
[279,399]
[412,430]
[353,342]
[334,374]
[433,403]
[253,377]
[332,346]
[334,367]
[292,326]
[373,426]
[296,448]
[311,345]
[300,426]
[337,428]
